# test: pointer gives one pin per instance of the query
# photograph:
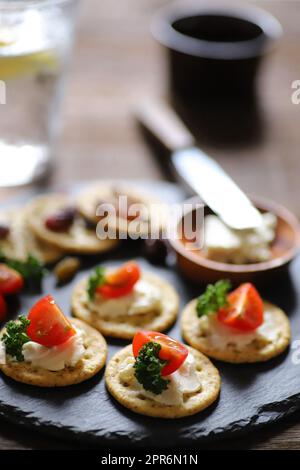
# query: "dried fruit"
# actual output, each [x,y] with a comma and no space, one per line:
[62,220]
[4,231]
[66,268]
[155,250]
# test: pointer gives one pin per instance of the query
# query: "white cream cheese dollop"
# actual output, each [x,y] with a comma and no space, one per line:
[2,353]
[144,298]
[221,243]
[57,357]
[220,336]
[185,380]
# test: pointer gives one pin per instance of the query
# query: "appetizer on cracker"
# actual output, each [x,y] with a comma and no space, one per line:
[17,240]
[158,376]
[237,326]
[119,302]
[134,212]
[47,349]
[54,220]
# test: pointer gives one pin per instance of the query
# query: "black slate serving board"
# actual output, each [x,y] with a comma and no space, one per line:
[251,396]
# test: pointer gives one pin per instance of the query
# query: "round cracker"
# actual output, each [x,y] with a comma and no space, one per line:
[22,242]
[89,199]
[125,326]
[92,362]
[134,399]
[195,334]
[78,239]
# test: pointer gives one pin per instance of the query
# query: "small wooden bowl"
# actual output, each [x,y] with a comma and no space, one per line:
[195,266]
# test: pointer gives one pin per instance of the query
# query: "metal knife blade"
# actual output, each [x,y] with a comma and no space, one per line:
[208,179]
[196,169]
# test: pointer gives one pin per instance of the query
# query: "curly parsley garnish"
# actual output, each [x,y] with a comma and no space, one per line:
[214,297]
[148,368]
[15,336]
[32,270]
[96,279]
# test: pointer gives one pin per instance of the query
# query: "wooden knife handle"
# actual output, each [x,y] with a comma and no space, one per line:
[158,119]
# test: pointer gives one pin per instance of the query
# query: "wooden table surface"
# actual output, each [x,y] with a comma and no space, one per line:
[115,65]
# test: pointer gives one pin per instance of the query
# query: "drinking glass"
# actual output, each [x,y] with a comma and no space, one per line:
[35,43]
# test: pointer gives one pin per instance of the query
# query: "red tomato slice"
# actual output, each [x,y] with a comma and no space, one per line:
[245,311]
[48,325]
[11,282]
[3,308]
[128,274]
[121,281]
[110,292]
[171,351]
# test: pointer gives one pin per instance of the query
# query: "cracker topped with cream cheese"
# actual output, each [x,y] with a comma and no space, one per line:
[54,220]
[152,304]
[191,389]
[75,361]
[131,211]
[19,241]
[221,342]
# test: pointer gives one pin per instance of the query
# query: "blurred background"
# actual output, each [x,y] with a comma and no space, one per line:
[116,63]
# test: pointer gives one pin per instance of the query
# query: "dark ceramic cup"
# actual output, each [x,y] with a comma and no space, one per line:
[214,50]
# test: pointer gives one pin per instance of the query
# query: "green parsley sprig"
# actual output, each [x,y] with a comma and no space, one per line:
[15,336]
[214,297]
[96,279]
[148,367]
[32,270]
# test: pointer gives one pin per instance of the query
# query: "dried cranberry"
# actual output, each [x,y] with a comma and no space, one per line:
[4,231]
[156,251]
[61,221]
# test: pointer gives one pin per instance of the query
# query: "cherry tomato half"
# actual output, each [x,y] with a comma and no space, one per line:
[110,292]
[48,325]
[171,351]
[3,308]
[245,311]
[11,282]
[121,281]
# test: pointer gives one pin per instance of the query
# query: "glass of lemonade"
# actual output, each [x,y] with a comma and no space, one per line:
[35,42]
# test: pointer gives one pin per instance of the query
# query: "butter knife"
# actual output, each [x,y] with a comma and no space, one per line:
[201,173]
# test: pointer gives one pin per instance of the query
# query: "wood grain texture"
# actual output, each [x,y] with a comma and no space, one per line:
[116,63]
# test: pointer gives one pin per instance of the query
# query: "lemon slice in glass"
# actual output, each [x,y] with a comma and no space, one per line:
[15,63]
[28,64]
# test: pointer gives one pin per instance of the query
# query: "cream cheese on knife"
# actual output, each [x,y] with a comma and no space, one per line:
[223,244]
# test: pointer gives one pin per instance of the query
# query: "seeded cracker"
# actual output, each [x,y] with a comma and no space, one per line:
[131,398]
[195,334]
[89,199]
[92,362]
[125,327]
[21,241]
[78,239]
